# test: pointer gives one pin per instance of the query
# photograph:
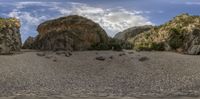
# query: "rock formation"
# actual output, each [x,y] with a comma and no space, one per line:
[69,33]
[10,39]
[28,44]
[132,32]
[181,34]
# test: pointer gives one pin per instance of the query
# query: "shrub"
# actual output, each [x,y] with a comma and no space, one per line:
[100,46]
[112,44]
[158,46]
[176,38]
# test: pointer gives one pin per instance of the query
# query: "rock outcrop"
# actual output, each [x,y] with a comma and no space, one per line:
[132,32]
[69,33]
[181,34]
[10,39]
[28,44]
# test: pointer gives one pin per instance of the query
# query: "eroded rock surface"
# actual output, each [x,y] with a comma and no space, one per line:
[28,44]
[69,33]
[10,39]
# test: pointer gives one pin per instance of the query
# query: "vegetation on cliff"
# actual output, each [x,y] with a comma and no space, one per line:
[132,32]
[182,34]
[10,38]
[9,22]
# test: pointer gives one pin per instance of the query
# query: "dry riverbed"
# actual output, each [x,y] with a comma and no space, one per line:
[99,75]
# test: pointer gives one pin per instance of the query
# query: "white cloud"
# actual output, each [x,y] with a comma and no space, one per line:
[192,3]
[113,20]
[28,21]
[26,16]
[186,2]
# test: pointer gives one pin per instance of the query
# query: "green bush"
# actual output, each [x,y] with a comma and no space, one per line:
[176,38]
[100,46]
[112,44]
[158,46]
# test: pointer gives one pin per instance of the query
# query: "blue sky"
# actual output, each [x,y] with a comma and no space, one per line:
[113,15]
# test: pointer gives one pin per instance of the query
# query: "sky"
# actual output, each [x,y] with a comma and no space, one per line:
[112,15]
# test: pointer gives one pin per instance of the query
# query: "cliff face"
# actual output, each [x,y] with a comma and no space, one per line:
[181,34]
[10,39]
[132,32]
[28,43]
[69,33]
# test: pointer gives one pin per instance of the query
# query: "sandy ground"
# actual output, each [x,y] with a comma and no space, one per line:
[135,74]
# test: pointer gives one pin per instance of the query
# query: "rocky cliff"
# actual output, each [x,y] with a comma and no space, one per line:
[28,44]
[132,32]
[181,34]
[10,39]
[69,33]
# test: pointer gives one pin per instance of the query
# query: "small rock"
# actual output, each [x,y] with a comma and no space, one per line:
[48,57]
[60,52]
[101,58]
[130,52]
[122,54]
[40,54]
[111,57]
[68,54]
[54,60]
[143,59]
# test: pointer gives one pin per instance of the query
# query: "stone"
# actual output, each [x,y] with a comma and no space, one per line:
[142,59]
[48,56]
[65,53]
[40,54]
[55,60]
[69,33]
[68,54]
[122,54]
[111,57]
[101,58]
[130,52]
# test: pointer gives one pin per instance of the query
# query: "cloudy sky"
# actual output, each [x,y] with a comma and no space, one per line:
[112,15]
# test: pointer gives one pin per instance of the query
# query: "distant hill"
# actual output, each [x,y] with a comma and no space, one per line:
[132,32]
[181,34]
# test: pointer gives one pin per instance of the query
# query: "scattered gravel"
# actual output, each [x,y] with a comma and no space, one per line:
[165,74]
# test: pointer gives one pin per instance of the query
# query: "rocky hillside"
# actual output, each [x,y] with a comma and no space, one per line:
[68,33]
[10,39]
[132,32]
[181,34]
[28,44]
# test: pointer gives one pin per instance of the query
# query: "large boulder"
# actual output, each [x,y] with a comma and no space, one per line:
[69,33]
[10,39]
[132,32]
[181,34]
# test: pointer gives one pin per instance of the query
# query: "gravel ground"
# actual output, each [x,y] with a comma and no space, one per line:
[67,97]
[133,74]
